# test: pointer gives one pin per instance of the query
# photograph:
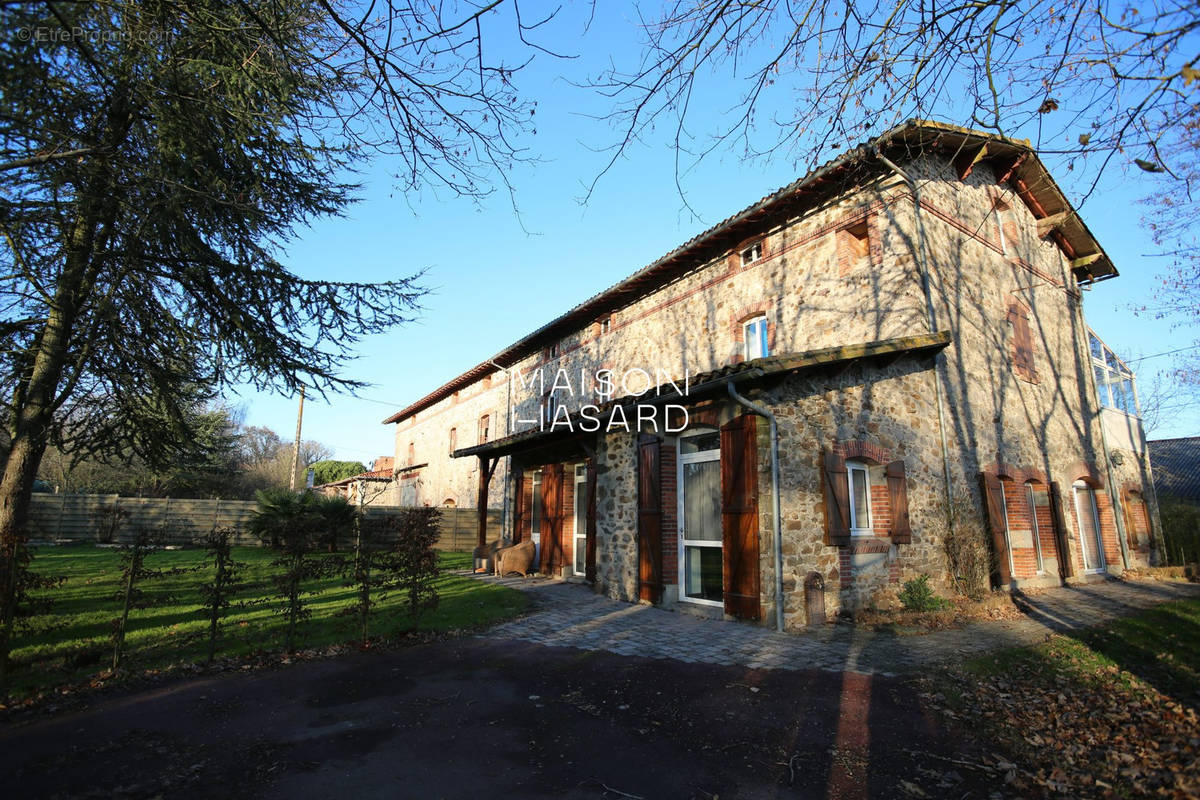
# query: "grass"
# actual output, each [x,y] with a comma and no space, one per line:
[1160,647]
[72,641]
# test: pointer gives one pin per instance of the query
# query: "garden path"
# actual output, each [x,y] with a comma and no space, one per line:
[568,614]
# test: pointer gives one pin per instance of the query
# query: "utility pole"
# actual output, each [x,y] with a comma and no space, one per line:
[296,446]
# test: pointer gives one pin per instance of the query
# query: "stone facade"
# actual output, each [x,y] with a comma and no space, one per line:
[1011,399]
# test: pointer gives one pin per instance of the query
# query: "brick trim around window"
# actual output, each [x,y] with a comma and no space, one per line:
[737,330]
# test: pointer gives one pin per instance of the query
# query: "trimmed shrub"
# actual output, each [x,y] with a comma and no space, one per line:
[917,595]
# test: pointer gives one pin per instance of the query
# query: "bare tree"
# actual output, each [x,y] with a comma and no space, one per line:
[1083,79]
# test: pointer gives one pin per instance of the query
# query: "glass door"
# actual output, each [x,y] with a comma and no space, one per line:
[580,534]
[699,481]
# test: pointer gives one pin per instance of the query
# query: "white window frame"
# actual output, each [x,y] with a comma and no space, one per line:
[579,534]
[1102,564]
[761,340]
[752,254]
[684,543]
[864,468]
[1033,525]
[1012,565]
[535,513]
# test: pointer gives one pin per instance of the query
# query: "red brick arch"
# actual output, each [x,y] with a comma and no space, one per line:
[866,451]
[1004,469]
[1082,471]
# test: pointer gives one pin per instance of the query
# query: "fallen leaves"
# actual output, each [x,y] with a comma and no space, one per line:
[1071,727]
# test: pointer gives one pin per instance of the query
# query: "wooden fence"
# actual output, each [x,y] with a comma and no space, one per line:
[63,518]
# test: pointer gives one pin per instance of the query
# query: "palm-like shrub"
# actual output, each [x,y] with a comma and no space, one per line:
[282,513]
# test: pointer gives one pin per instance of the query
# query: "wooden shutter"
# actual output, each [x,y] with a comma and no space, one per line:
[520,509]
[837,499]
[551,525]
[992,489]
[649,518]
[1022,341]
[589,569]
[1066,568]
[739,517]
[897,486]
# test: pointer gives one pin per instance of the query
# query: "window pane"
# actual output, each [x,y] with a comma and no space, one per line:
[756,338]
[536,525]
[702,572]
[1102,386]
[580,555]
[702,501]
[859,486]
[710,440]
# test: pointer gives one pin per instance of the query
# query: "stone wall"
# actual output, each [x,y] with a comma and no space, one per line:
[845,273]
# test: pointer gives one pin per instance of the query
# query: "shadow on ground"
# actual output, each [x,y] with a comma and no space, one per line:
[478,717]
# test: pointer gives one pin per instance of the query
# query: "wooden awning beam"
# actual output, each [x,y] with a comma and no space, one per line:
[965,161]
[1007,168]
[1048,225]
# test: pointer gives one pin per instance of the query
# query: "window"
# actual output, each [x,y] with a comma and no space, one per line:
[752,253]
[579,535]
[453,440]
[550,352]
[1089,527]
[1114,380]
[754,337]
[549,406]
[412,459]
[699,481]
[854,247]
[859,476]
[603,325]
[535,517]
[1037,498]
[484,424]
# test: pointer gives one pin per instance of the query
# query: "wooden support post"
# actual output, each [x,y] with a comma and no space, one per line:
[486,467]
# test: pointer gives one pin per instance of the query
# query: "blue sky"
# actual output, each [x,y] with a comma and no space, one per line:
[496,277]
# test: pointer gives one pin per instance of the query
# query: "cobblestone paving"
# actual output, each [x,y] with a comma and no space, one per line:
[571,615]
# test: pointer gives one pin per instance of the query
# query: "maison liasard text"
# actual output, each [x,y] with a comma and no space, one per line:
[588,401]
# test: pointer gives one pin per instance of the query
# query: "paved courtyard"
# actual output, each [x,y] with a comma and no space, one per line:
[571,615]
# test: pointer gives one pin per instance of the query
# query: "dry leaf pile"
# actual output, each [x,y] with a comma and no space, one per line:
[1079,730]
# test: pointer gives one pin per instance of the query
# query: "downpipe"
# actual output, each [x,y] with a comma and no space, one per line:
[778,522]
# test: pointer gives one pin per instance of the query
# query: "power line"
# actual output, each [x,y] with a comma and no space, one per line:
[1166,353]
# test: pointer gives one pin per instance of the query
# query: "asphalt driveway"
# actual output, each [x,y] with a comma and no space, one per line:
[472,717]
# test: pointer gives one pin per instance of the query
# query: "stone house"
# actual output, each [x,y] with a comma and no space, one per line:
[797,410]
[374,487]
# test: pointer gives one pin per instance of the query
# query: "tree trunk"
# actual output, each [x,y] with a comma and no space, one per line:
[16,489]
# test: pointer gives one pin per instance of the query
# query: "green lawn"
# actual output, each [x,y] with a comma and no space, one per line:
[1159,648]
[72,641]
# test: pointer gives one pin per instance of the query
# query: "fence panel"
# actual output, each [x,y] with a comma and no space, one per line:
[83,517]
